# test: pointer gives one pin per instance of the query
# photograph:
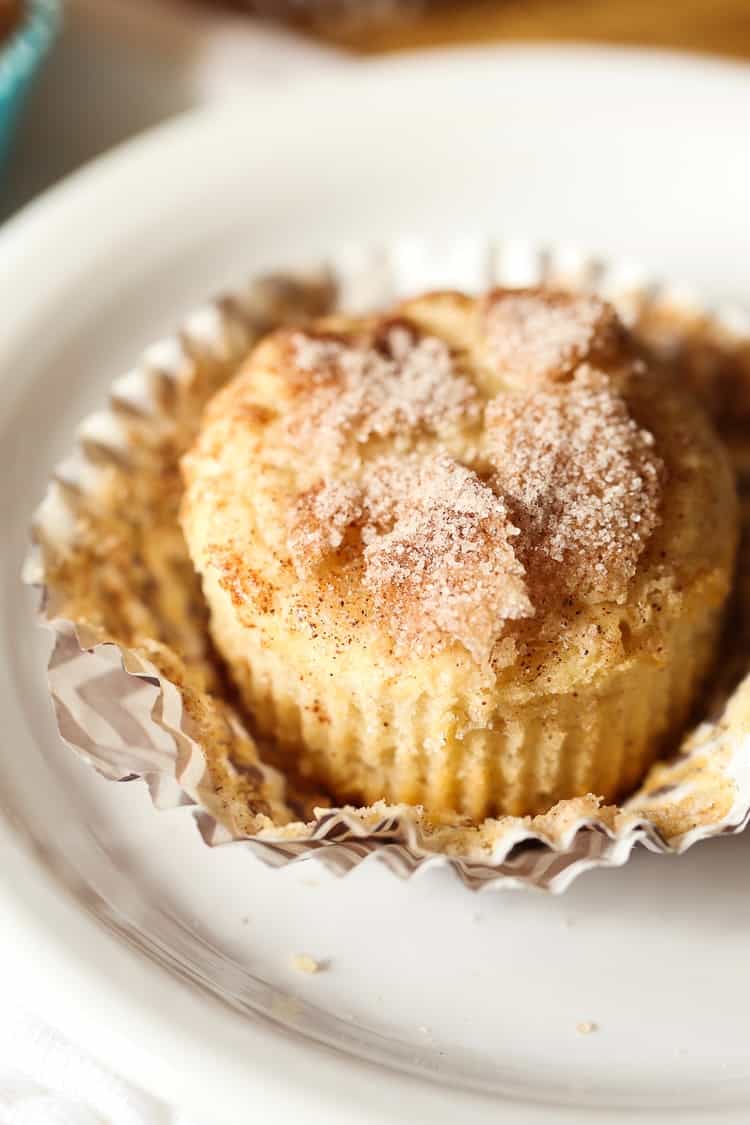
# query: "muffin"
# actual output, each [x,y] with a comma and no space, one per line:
[470,554]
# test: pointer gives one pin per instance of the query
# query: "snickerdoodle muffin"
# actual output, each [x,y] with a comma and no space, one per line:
[469,554]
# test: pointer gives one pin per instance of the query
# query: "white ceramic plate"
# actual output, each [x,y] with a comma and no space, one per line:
[173,962]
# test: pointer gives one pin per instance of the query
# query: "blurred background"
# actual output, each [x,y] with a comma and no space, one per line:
[110,68]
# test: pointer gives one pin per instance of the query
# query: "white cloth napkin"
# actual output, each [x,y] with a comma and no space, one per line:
[158,58]
[46,1080]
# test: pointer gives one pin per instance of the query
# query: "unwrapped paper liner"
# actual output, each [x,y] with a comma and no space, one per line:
[138,691]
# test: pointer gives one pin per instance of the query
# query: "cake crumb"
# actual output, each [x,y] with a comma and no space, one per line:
[304,963]
[586,1027]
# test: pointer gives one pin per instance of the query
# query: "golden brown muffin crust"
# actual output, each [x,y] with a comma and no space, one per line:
[494,544]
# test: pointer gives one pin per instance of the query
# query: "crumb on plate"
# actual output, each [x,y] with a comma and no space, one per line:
[304,963]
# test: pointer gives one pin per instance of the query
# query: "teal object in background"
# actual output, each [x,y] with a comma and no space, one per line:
[21,55]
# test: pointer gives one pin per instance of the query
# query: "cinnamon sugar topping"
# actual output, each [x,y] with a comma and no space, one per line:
[581,481]
[437,546]
[570,486]
[445,565]
[320,520]
[394,383]
[537,335]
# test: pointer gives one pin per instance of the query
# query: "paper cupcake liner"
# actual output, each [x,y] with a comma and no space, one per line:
[139,694]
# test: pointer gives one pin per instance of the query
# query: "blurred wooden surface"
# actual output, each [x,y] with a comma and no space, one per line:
[718,26]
